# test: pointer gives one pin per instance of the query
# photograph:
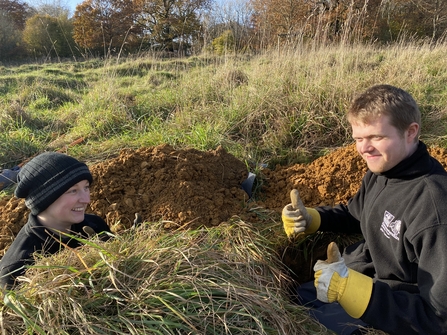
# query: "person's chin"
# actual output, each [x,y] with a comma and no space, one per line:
[375,169]
[78,217]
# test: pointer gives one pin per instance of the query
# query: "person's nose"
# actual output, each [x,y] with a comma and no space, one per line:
[85,196]
[366,146]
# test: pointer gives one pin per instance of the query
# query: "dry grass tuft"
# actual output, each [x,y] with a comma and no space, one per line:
[222,280]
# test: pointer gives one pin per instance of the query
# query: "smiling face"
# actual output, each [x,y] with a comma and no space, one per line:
[68,209]
[381,145]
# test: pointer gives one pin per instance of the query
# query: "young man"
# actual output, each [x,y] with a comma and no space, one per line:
[56,188]
[395,279]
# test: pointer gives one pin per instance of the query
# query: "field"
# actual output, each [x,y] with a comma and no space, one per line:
[172,140]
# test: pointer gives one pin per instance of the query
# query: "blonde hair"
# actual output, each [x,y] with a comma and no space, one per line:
[388,100]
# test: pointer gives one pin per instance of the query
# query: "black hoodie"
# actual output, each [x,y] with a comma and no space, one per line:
[402,215]
[33,237]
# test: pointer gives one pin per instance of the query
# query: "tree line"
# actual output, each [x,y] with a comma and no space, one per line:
[347,20]
[113,27]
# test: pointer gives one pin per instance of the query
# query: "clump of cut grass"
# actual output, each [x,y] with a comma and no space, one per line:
[221,280]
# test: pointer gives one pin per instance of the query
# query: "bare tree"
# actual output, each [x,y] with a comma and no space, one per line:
[435,12]
[235,16]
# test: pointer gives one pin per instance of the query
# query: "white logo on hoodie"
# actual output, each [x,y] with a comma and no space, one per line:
[389,227]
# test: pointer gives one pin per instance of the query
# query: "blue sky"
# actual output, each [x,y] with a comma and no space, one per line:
[72,4]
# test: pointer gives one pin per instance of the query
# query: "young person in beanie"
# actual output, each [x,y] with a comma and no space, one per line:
[56,189]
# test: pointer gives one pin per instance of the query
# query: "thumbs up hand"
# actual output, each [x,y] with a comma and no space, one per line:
[298,219]
[330,275]
[334,281]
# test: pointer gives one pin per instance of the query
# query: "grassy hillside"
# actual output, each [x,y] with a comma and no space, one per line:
[278,106]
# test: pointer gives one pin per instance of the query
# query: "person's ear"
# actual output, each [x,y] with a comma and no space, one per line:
[412,131]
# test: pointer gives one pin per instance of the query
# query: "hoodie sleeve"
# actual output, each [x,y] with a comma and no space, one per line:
[424,312]
[18,256]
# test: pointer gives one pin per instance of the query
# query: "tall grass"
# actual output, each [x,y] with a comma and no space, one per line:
[225,280]
[278,106]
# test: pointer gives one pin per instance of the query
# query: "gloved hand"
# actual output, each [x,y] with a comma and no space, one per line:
[336,282]
[298,219]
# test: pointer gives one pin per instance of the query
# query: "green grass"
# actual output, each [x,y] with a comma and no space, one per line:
[271,107]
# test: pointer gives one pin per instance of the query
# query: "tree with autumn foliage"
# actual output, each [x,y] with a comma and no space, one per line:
[13,15]
[17,10]
[286,22]
[279,21]
[107,26]
[49,36]
[114,25]
[172,24]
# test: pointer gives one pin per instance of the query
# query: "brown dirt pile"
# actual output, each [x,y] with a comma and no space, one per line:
[188,188]
[328,180]
[180,187]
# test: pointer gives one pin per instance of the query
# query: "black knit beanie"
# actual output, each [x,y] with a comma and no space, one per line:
[46,177]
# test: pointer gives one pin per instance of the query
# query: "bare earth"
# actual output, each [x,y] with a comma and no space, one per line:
[188,188]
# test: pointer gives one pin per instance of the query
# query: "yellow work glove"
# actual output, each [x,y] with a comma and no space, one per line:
[298,219]
[336,282]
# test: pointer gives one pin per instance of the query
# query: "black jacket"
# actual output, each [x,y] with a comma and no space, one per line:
[402,215]
[33,237]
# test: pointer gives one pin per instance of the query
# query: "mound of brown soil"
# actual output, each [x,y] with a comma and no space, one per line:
[180,187]
[328,180]
[188,188]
